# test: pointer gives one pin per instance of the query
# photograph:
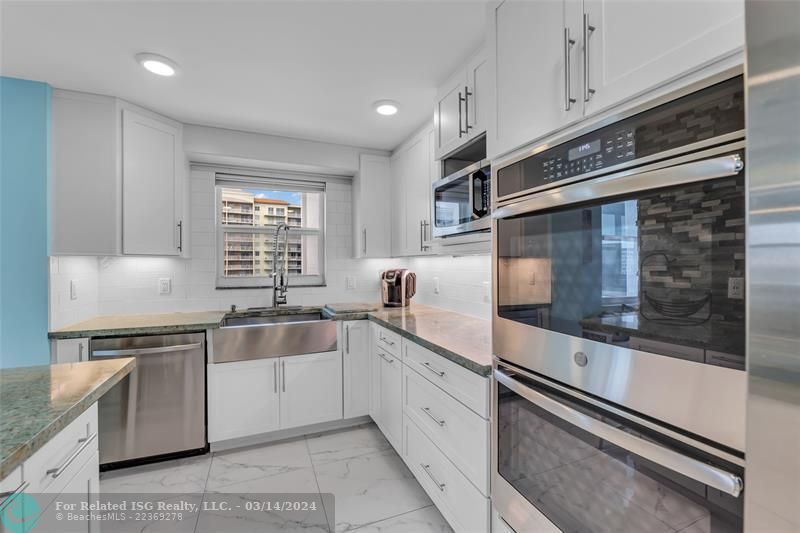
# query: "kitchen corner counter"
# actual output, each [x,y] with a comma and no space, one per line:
[350,311]
[465,340]
[39,401]
[105,326]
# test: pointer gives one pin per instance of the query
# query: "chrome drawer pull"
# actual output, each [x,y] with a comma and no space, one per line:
[84,443]
[427,470]
[427,411]
[387,341]
[427,365]
[11,495]
[385,358]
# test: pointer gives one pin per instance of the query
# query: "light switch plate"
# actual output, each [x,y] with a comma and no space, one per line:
[487,291]
[73,290]
[435,285]
[164,286]
[736,288]
[350,283]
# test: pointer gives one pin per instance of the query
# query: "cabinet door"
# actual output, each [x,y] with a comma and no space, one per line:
[398,200]
[311,389]
[417,187]
[372,208]
[636,46]
[356,368]
[449,115]
[243,399]
[392,399]
[84,487]
[150,177]
[374,376]
[531,82]
[71,350]
[477,105]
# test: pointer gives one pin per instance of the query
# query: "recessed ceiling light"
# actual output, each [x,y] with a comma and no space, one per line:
[163,66]
[385,107]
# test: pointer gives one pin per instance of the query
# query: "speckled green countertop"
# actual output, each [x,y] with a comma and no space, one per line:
[157,324]
[37,402]
[463,339]
[350,310]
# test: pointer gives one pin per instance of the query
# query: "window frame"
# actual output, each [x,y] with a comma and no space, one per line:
[268,182]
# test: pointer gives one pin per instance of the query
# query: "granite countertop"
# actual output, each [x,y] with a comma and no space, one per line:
[37,402]
[140,325]
[463,339]
[350,310]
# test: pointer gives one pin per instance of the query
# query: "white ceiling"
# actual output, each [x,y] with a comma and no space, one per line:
[296,68]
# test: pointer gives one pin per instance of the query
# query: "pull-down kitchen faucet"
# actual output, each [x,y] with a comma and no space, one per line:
[280,273]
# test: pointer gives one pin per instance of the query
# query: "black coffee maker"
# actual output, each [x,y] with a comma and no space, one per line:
[398,285]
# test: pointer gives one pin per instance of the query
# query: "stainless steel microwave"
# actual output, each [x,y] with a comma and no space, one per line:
[462,201]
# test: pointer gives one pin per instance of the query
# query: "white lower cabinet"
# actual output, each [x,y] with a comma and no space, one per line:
[386,401]
[311,389]
[462,505]
[242,399]
[68,464]
[355,366]
[248,398]
[70,350]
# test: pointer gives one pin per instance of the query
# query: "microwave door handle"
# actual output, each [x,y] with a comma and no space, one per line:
[471,189]
[672,460]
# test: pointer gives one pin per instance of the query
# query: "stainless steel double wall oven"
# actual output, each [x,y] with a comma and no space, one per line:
[619,322]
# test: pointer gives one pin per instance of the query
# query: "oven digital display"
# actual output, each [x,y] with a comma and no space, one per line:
[583,150]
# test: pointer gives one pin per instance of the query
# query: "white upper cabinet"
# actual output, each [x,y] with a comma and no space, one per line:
[371,207]
[557,62]
[412,175]
[86,216]
[534,47]
[118,178]
[460,111]
[637,45]
[151,179]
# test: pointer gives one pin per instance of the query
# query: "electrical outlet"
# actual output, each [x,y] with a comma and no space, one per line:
[164,286]
[350,283]
[435,285]
[736,288]
[73,290]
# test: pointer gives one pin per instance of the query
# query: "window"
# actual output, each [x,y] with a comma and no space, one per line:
[243,237]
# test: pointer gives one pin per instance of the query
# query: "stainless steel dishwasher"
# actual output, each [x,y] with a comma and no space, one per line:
[159,410]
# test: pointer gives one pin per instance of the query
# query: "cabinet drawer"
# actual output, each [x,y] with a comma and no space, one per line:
[64,455]
[457,499]
[388,340]
[465,386]
[461,434]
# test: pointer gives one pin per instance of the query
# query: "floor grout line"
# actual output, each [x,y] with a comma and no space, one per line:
[319,490]
[393,516]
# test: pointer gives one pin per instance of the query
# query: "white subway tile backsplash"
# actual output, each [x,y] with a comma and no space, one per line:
[129,285]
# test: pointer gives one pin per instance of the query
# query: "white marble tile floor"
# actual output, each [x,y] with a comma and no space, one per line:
[374,491]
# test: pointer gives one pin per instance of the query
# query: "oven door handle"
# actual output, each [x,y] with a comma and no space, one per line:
[692,468]
[625,182]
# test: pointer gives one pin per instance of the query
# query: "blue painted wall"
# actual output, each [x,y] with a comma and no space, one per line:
[24,221]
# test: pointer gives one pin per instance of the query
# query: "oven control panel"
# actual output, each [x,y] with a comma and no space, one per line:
[700,116]
[587,156]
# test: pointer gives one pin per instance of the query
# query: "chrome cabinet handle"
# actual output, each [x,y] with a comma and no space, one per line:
[382,356]
[84,443]
[427,411]
[364,242]
[275,376]
[384,339]
[461,99]
[568,44]
[587,30]
[467,94]
[666,457]
[283,372]
[422,246]
[80,352]
[347,338]
[11,495]
[427,469]
[180,235]
[428,366]
[146,351]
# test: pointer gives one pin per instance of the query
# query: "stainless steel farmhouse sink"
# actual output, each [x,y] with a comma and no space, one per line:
[264,335]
